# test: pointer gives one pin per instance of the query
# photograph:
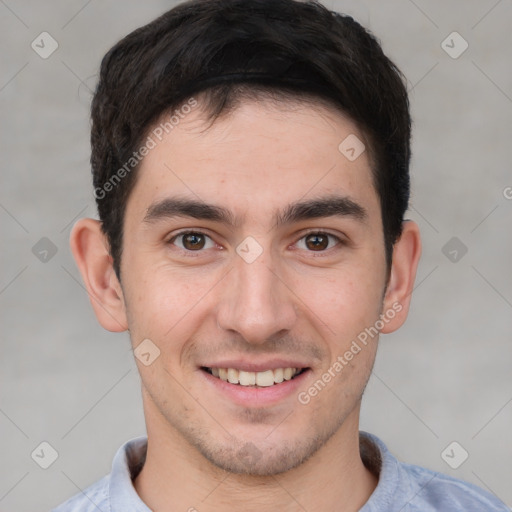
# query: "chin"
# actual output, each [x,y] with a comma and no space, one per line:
[253,461]
[240,455]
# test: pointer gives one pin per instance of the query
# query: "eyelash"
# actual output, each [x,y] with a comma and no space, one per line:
[339,241]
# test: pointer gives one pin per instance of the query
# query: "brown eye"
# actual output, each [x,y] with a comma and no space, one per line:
[317,242]
[192,241]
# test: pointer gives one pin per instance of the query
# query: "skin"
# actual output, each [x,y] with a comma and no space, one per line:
[293,301]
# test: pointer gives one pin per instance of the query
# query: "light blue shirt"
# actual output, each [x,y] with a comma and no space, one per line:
[402,487]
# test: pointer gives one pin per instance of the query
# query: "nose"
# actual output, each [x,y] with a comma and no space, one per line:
[256,301]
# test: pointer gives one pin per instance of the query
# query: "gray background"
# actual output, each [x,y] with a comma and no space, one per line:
[445,376]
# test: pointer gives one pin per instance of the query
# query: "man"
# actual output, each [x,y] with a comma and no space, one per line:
[251,170]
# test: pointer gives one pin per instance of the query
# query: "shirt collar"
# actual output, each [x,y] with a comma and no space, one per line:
[378,459]
[127,463]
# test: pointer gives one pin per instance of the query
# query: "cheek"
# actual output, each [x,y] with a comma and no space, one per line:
[164,305]
[346,301]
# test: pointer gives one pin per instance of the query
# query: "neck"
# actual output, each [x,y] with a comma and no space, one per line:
[176,476]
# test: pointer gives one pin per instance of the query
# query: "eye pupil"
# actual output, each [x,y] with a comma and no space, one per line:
[193,241]
[317,242]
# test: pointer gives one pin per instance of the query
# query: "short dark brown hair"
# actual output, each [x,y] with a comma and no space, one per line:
[227,50]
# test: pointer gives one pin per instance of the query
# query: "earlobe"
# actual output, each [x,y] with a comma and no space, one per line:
[406,255]
[90,250]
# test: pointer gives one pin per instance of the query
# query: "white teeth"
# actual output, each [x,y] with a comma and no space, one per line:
[278,375]
[288,373]
[263,379]
[247,378]
[232,376]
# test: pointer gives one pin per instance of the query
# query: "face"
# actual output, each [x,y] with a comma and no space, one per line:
[253,257]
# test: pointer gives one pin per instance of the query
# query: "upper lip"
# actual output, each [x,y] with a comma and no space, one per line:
[256,366]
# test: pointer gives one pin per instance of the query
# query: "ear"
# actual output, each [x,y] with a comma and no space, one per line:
[90,249]
[406,255]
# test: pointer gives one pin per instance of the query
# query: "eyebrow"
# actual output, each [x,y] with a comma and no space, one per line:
[329,206]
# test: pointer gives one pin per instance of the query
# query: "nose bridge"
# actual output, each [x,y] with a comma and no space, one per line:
[256,303]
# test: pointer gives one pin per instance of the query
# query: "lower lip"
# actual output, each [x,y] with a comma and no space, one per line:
[256,396]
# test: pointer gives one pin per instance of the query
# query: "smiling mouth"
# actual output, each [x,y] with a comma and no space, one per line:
[266,378]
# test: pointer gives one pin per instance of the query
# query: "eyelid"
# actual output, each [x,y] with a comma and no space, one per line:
[187,232]
[312,231]
[321,231]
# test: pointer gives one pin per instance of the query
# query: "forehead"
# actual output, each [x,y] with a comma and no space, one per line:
[256,159]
